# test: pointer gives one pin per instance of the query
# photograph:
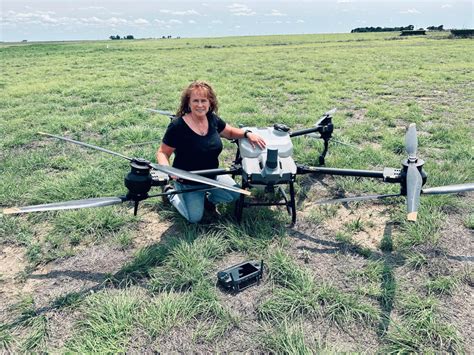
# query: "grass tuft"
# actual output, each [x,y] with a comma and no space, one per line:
[108,318]
[287,339]
[421,329]
[188,263]
[442,285]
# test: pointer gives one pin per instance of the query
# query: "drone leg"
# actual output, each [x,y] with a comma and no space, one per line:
[292,203]
[323,154]
[239,206]
[285,198]
[135,208]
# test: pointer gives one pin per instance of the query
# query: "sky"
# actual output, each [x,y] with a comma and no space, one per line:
[58,20]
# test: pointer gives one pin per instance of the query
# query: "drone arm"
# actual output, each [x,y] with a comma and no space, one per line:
[303,169]
[302,132]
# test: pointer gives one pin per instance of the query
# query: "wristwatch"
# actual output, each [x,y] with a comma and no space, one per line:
[246,133]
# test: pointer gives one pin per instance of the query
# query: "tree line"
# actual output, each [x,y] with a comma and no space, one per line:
[394,29]
[124,37]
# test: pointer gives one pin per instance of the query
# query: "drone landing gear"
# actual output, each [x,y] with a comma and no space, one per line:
[289,203]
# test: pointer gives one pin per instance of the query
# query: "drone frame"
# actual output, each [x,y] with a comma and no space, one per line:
[144,175]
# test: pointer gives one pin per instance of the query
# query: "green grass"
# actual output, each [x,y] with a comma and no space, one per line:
[421,329]
[97,92]
[107,323]
[299,294]
[290,339]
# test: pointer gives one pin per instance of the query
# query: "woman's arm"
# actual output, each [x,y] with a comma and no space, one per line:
[230,132]
[163,154]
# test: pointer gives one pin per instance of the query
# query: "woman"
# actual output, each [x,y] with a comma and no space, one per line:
[195,139]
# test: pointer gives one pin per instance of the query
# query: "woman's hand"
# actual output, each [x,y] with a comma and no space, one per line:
[256,140]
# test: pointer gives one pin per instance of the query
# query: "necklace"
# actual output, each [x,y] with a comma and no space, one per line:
[200,126]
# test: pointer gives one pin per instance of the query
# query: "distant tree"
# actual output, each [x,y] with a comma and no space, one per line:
[382,29]
[129,37]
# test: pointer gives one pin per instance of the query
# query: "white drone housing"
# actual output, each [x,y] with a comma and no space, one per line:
[272,165]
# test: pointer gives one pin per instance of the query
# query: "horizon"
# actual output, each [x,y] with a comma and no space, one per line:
[83,20]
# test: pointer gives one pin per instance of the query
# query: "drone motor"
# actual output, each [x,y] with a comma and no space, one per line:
[138,181]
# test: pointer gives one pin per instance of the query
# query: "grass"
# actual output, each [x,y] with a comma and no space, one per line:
[107,323]
[97,92]
[291,339]
[421,329]
[298,294]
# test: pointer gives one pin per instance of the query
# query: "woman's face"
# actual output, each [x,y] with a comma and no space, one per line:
[199,103]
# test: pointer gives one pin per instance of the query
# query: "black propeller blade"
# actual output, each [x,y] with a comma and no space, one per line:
[68,205]
[163,168]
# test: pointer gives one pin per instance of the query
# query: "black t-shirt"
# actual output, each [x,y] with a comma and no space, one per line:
[193,151]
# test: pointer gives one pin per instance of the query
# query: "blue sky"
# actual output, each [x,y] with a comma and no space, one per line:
[38,20]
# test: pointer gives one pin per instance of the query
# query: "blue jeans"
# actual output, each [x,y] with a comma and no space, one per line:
[191,204]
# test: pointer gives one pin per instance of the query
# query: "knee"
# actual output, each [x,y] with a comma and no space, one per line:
[195,216]
[234,196]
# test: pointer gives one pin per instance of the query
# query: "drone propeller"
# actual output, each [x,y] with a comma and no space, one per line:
[356,198]
[68,205]
[414,180]
[91,202]
[439,190]
[162,112]
[183,174]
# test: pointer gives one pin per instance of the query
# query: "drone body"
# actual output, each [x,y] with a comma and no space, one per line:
[271,167]
[274,164]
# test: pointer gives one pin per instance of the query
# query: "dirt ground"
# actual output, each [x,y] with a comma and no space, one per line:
[313,246]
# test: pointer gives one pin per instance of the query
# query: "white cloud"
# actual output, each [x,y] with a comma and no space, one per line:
[275,13]
[446,6]
[410,11]
[299,21]
[141,21]
[50,19]
[241,10]
[192,22]
[168,24]
[92,8]
[180,13]
[217,22]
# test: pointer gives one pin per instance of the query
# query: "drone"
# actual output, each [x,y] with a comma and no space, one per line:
[272,168]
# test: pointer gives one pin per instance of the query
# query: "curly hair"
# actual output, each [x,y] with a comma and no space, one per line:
[186,96]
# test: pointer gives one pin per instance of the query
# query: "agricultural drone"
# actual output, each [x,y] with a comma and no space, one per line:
[272,167]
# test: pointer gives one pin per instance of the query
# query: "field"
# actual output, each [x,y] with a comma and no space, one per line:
[352,277]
